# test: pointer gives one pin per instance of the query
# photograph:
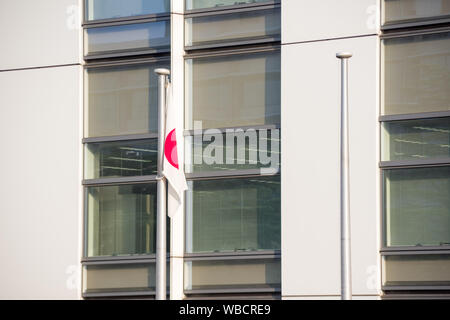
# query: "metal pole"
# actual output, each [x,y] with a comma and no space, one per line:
[346,270]
[161,201]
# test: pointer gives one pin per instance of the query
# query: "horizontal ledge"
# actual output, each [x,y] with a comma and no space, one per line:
[402,24]
[415,288]
[128,53]
[121,180]
[233,43]
[126,61]
[211,175]
[126,20]
[232,291]
[415,251]
[121,138]
[223,52]
[118,294]
[415,116]
[231,8]
[232,256]
[414,163]
[119,258]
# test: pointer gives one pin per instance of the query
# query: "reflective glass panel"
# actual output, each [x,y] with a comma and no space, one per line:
[416,270]
[121,220]
[235,90]
[413,10]
[417,74]
[224,28]
[416,139]
[121,159]
[232,274]
[238,149]
[417,206]
[121,100]
[240,214]
[128,38]
[109,9]
[201,4]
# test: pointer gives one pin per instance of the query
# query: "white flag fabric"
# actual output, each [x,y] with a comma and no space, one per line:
[173,165]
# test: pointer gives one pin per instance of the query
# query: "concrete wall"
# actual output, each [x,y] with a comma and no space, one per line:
[40,135]
[310,143]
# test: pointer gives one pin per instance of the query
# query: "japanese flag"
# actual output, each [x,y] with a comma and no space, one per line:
[173,165]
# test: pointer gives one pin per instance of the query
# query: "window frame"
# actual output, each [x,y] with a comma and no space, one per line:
[229,48]
[120,58]
[229,7]
[117,63]
[232,256]
[221,52]
[110,21]
[211,12]
[126,52]
[392,31]
[410,23]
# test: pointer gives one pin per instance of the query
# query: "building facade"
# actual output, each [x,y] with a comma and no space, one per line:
[256,84]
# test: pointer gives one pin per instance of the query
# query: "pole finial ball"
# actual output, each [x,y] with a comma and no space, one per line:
[343,55]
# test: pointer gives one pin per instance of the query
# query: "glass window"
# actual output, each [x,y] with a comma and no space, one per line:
[236,150]
[120,278]
[223,28]
[233,215]
[231,91]
[412,10]
[416,270]
[128,38]
[417,74]
[416,139]
[109,9]
[121,220]
[232,274]
[121,159]
[121,100]
[417,206]
[201,4]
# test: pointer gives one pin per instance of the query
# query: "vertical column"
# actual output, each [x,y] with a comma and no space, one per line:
[177,80]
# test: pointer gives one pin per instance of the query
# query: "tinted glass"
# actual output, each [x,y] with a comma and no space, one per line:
[417,206]
[127,38]
[235,150]
[416,139]
[233,274]
[121,159]
[134,277]
[200,4]
[121,100]
[223,28]
[233,215]
[411,10]
[108,9]
[417,74]
[231,91]
[416,270]
[121,220]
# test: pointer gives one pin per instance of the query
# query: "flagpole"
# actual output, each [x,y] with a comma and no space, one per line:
[346,271]
[161,239]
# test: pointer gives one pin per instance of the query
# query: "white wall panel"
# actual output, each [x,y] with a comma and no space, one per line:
[39,33]
[309,20]
[40,186]
[310,166]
